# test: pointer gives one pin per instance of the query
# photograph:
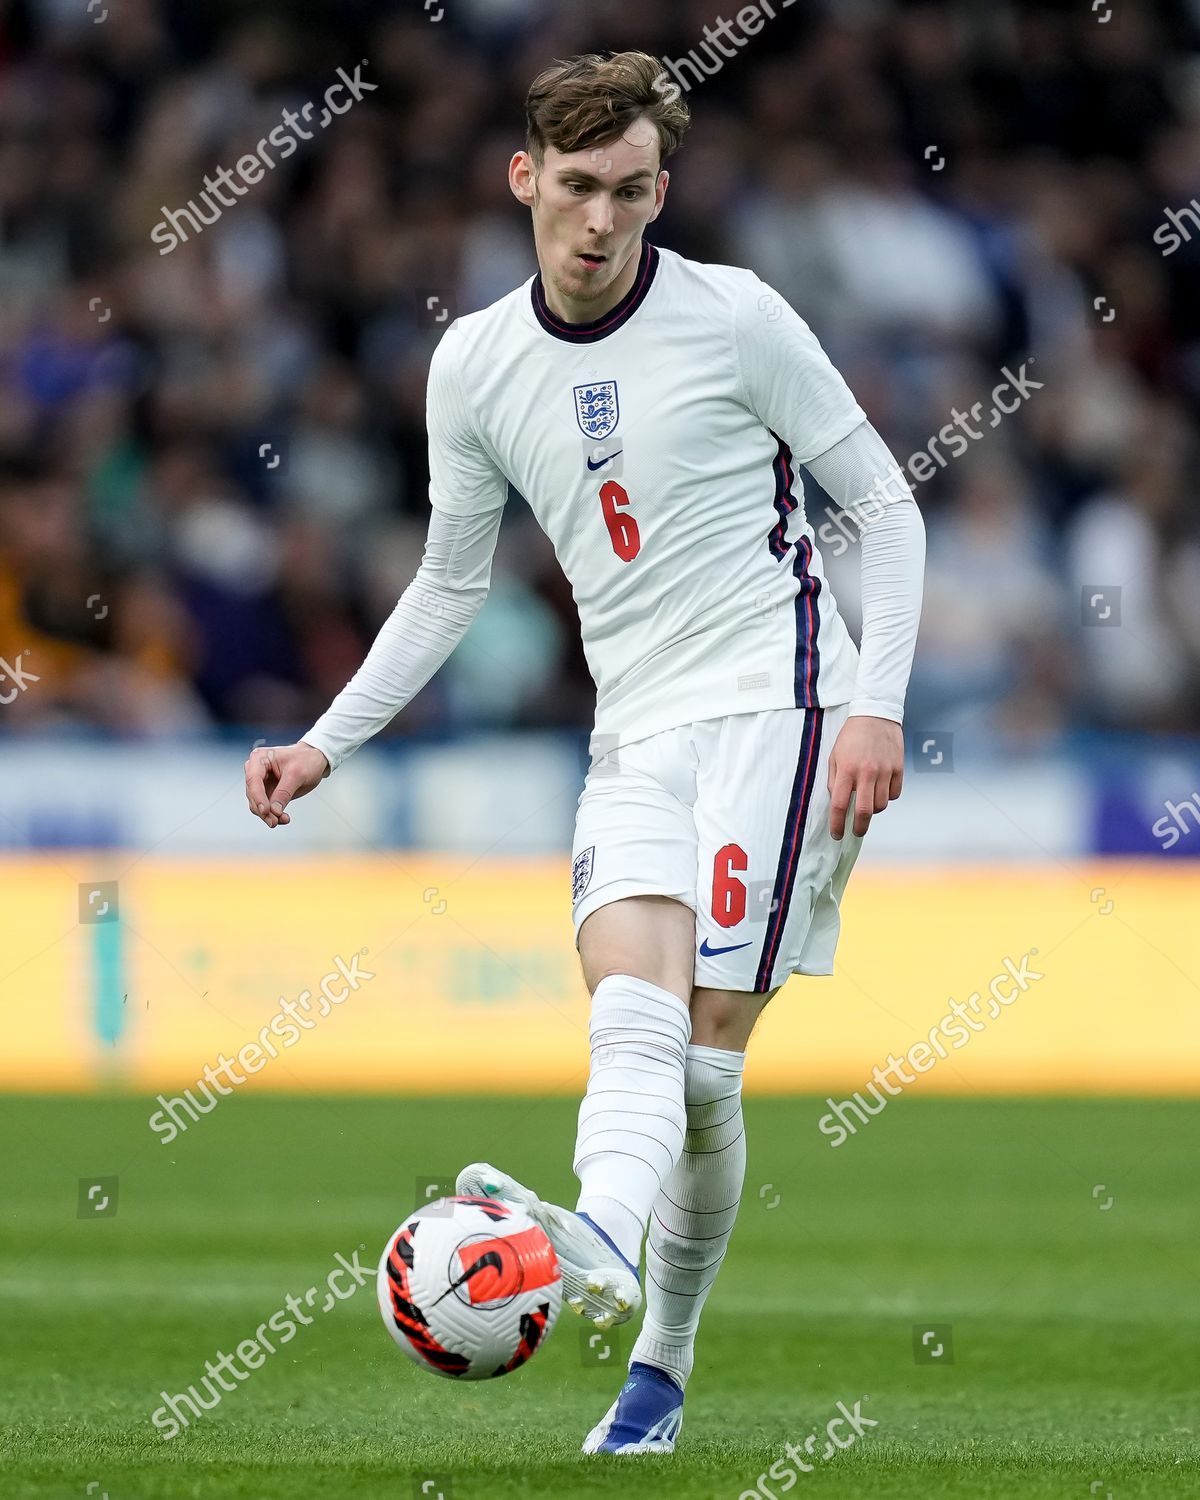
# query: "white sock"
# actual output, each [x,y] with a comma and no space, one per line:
[694,1214]
[632,1118]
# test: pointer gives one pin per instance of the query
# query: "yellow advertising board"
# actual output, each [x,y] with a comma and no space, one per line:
[453,973]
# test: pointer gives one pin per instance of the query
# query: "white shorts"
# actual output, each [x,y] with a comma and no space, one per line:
[731,817]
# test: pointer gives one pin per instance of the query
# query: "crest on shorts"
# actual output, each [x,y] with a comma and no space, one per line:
[581,873]
[596,408]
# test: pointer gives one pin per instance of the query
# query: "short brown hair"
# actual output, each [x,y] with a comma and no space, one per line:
[590,100]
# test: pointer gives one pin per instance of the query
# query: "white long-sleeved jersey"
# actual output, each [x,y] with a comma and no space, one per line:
[657,448]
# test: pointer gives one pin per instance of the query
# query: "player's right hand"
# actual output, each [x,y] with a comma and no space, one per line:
[275,774]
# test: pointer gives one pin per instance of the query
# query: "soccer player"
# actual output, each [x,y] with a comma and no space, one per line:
[652,411]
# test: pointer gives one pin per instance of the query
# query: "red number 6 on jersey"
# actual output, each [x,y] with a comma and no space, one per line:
[729,893]
[623,529]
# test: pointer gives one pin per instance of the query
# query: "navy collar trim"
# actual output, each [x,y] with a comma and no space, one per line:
[616,317]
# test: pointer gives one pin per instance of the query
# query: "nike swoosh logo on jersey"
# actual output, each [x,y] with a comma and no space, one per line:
[604,461]
[707,952]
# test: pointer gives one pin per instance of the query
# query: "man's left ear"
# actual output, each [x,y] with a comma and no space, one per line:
[664,178]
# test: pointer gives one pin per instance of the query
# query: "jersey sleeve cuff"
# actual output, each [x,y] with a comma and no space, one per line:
[877,708]
[318,742]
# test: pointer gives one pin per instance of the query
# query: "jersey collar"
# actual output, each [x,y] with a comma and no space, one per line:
[599,328]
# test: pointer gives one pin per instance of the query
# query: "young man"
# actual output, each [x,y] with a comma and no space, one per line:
[652,411]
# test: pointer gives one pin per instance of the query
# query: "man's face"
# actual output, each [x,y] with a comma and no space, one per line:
[590,208]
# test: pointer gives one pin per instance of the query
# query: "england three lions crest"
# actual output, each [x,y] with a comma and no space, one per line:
[596,408]
[581,873]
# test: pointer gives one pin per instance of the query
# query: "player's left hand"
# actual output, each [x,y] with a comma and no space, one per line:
[867,761]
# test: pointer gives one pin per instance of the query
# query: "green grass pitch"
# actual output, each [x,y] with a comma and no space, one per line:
[1057,1239]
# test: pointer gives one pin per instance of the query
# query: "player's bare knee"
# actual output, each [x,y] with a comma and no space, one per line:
[725,1018]
[647,937]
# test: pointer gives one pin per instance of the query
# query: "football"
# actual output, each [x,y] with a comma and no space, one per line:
[469,1288]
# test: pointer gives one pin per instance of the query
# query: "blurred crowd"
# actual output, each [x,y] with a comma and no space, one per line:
[213,478]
